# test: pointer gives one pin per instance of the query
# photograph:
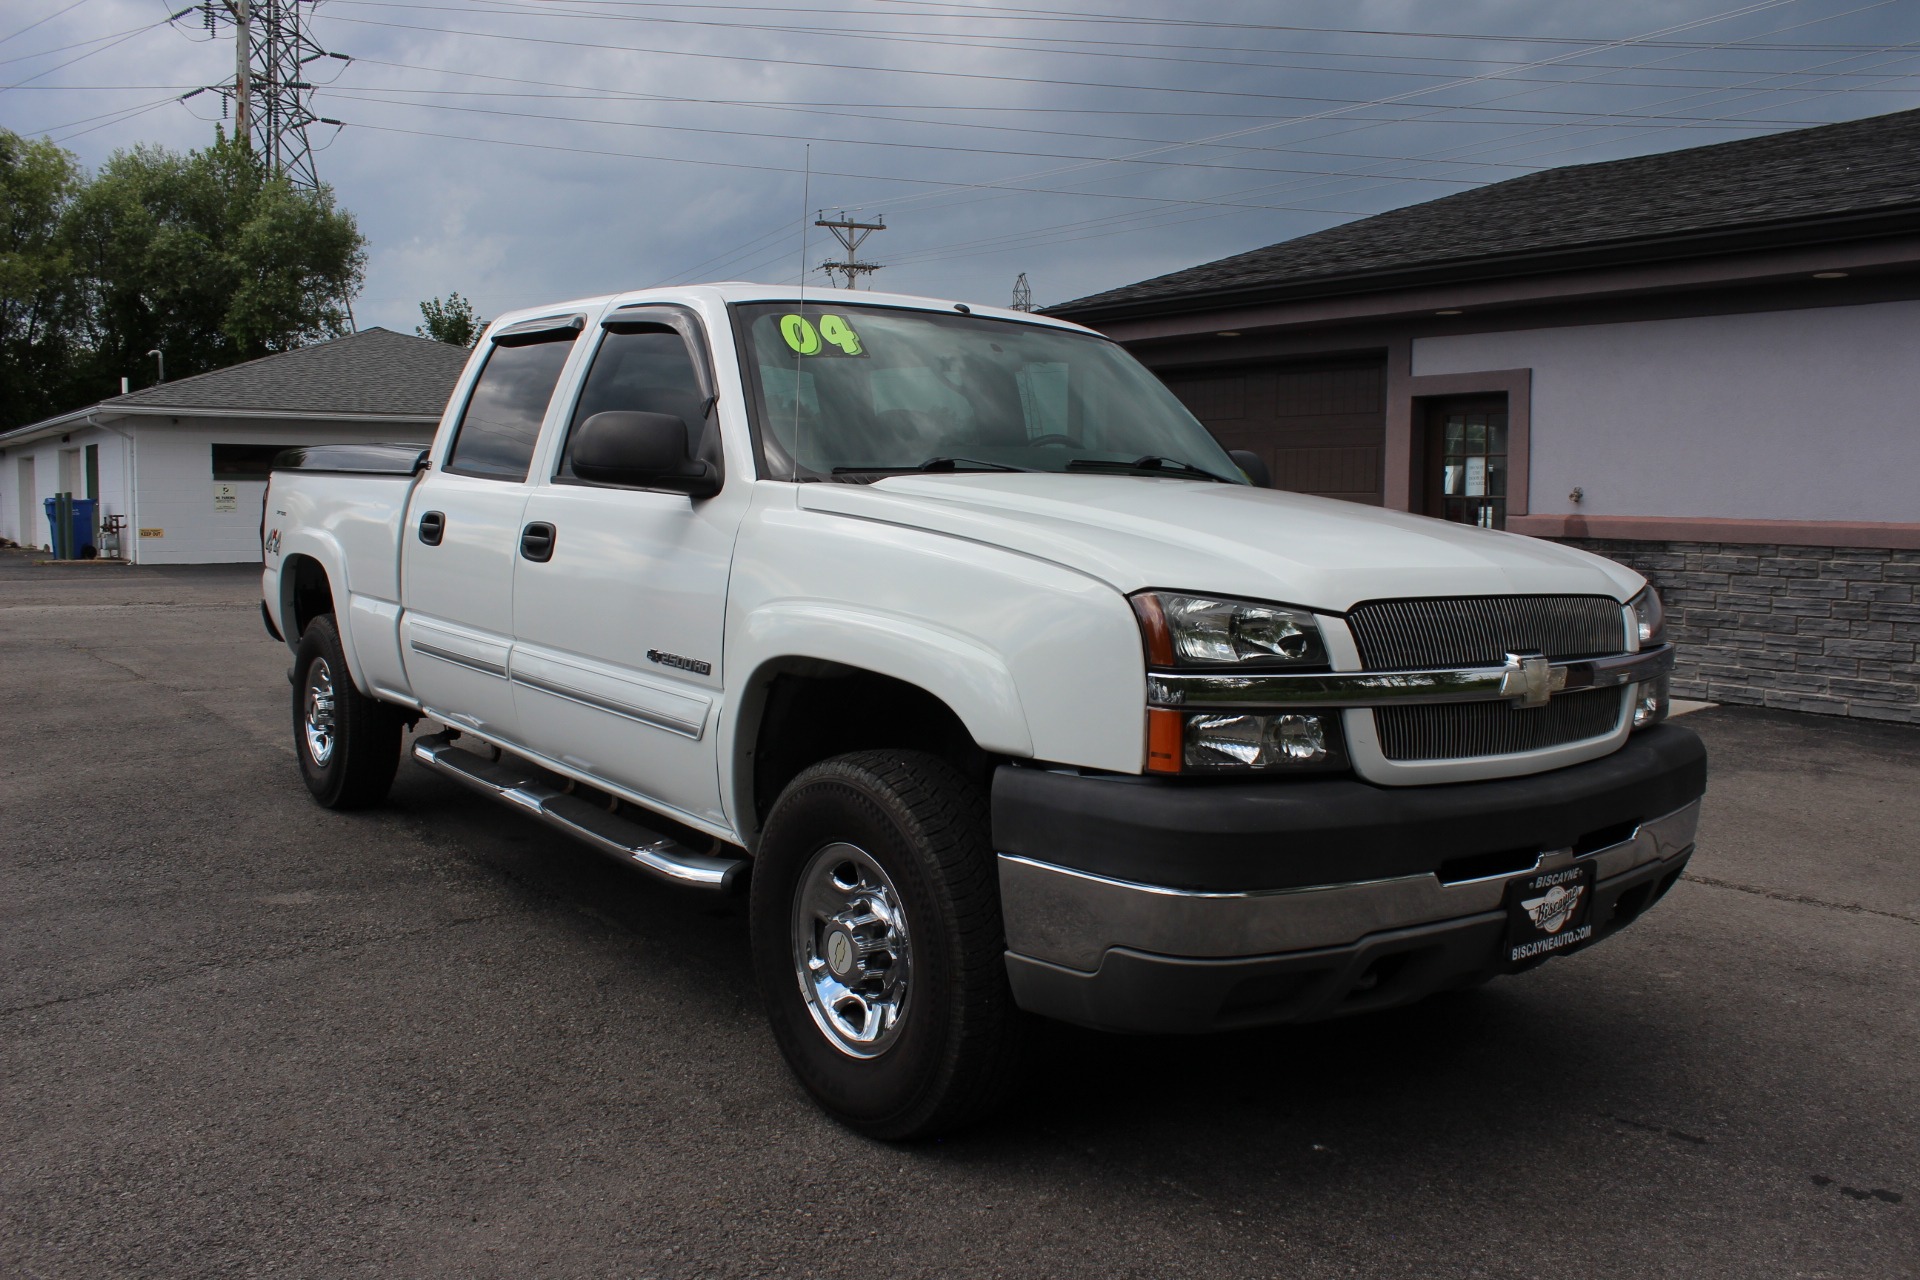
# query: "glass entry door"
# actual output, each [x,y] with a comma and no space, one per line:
[1467,461]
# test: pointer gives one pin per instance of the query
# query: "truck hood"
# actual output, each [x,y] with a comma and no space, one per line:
[1135,532]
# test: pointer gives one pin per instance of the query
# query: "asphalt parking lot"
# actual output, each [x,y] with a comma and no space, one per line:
[241,1035]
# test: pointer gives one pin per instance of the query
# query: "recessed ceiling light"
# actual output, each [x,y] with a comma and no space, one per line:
[1448,311]
[1227,333]
[1829,275]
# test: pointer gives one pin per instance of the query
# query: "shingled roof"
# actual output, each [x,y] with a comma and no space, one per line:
[1832,177]
[374,372]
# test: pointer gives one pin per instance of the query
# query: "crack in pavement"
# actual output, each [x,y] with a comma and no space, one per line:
[1801,899]
[249,962]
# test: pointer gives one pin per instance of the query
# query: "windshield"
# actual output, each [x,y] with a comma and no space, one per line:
[856,393]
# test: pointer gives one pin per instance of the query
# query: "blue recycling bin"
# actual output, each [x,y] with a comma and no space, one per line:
[81,529]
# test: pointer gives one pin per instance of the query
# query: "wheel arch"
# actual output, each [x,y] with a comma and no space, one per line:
[797,708]
[312,581]
[306,592]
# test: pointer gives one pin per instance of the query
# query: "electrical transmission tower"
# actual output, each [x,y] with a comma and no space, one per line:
[1022,294]
[268,96]
[851,236]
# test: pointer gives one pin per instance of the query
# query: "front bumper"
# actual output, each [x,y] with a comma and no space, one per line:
[1151,953]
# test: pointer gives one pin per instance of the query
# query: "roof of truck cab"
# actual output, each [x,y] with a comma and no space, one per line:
[732,291]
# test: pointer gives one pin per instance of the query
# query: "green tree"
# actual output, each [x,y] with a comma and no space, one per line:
[209,258]
[450,321]
[39,293]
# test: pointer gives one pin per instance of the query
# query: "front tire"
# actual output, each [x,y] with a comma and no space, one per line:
[878,944]
[348,743]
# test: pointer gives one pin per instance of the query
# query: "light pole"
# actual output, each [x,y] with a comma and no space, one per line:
[159,355]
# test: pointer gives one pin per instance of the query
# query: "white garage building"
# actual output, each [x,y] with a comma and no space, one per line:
[184,464]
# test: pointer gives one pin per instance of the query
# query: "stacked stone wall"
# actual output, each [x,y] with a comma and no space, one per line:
[1834,630]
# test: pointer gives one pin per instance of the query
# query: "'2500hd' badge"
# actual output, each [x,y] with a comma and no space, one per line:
[674,660]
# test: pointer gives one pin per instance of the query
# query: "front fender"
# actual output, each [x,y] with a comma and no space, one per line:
[969,678]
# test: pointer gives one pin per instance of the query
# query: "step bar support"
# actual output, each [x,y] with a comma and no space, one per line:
[520,786]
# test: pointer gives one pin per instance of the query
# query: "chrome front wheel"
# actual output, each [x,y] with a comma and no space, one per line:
[875,917]
[852,953]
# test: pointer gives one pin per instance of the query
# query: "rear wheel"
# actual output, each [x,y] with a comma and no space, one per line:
[348,743]
[878,944]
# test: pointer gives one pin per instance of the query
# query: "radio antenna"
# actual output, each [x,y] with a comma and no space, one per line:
[806,198]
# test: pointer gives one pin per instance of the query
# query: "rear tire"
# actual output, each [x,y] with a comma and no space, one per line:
[878,944]
[348,743]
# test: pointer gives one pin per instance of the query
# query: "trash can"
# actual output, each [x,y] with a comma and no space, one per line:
[80,528]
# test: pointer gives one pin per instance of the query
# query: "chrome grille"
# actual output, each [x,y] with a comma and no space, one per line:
[1461,730]
[1480,631]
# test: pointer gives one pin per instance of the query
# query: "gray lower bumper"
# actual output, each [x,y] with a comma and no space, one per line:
[1147,958]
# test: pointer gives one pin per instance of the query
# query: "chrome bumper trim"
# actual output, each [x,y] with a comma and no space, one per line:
[1071,918]
[1513,683]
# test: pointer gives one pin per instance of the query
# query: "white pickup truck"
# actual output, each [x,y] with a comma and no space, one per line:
[1006,688]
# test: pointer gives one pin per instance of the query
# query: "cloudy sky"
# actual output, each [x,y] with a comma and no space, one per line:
[519,151]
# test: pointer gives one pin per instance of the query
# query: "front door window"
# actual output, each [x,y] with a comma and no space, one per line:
[1467,448]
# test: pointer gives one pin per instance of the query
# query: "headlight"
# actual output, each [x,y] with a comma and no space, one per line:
[1206,631]
[1650,616]
[1233,740]
[1652,700]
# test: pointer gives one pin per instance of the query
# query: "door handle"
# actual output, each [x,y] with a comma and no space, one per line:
[433,527]
[536,541]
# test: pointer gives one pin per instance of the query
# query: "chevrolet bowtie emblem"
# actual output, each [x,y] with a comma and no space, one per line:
[1530,679]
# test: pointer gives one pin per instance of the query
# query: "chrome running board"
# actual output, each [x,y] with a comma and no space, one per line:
[524,786]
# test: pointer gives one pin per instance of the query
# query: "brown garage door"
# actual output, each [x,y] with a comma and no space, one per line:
[1320,427]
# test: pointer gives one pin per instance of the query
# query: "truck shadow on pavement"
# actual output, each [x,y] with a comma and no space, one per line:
[1460,1070]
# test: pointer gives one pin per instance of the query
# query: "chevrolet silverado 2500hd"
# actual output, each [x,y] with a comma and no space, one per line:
[955,634]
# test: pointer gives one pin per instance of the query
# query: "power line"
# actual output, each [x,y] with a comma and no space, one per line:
[112,43]
[1079,15]
[826,108]
[1006,243]
[956,40]
[921,73]
[364,95]
[78,44]
[49,18]
[1158,218]
[776,168]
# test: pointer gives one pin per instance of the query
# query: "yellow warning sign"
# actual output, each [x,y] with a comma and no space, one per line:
[153,533]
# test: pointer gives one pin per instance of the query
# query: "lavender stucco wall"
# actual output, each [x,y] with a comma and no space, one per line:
[1782,415]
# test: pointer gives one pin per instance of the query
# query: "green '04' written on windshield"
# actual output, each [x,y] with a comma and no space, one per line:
[831,336]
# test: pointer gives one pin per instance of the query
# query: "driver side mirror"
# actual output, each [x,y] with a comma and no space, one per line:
[1253,465]
[645,450]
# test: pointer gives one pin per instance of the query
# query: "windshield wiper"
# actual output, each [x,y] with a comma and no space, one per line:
[1151,462]
[936,464]
[966,464]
